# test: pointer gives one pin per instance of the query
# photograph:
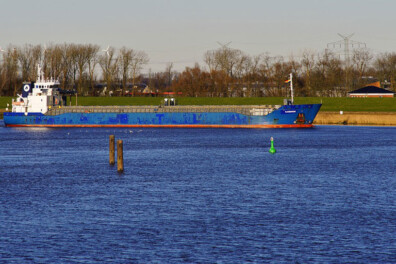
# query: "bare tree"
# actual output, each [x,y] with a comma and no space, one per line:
[209,59]
[109,64]
[10,68]
[242,76]
[73,55]
[329,77]
[361,59]
[139,59]
[281,71]
[28,57]
[169,73]
[92,53]
[265,72]
[223,59]
[386,67]
[308,63]
[66,66]
[82,58]
[53,60]
[3,77]
[125,60]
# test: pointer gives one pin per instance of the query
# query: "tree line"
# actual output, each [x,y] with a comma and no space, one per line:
[227,72]
[76,66]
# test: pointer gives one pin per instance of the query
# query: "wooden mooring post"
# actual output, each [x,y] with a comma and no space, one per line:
[111,150]
[120,157]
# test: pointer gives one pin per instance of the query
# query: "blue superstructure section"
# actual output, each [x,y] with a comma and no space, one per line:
[288,113]
[285,115]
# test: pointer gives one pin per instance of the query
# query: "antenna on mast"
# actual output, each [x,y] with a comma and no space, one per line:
[290,80]
[38,72]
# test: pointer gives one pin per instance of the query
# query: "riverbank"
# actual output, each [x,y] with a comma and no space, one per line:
[356,118]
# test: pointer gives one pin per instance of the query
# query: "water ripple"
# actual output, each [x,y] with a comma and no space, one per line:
[198,196]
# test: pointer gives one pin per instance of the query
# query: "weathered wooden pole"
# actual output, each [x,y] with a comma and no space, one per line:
[111,150]
[120,157]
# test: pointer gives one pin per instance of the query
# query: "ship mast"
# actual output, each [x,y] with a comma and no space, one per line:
[39,72]
[291,88]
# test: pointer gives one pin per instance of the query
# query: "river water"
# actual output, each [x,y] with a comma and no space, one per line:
[199,196]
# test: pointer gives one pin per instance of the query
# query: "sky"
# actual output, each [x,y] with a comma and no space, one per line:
[181,31]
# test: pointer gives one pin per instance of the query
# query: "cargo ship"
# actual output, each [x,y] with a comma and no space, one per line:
[43,104]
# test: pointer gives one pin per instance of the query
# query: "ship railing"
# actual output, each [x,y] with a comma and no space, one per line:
[243,109]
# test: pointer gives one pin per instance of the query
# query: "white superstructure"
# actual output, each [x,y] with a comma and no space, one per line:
[38,97]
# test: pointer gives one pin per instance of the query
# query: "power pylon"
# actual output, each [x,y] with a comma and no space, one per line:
[347,43]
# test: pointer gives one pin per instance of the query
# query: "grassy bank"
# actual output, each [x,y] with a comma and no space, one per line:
[356,118]
[329,104]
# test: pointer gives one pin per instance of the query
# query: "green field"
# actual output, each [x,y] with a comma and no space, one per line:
[329,103]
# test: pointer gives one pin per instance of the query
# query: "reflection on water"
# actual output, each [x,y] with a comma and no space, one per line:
[198,195]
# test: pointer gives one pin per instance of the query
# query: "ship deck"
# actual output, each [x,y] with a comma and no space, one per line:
[241,109]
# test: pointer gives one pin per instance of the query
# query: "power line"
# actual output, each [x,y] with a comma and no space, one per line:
[224,46]
[348,44]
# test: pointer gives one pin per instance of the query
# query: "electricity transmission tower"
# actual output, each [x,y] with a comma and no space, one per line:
[224,46]
[348,44]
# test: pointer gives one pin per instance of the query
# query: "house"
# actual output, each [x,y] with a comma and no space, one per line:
[371,91]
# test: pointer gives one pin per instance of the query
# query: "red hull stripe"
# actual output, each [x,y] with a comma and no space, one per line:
[172,126]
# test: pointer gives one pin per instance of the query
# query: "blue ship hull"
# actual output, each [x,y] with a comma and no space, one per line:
[285,116]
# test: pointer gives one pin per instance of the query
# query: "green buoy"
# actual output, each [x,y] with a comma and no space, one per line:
[272,150]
